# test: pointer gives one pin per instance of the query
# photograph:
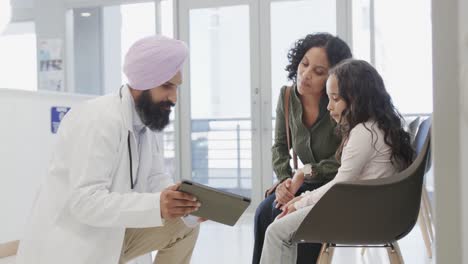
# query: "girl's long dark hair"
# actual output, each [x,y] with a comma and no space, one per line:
[363,90]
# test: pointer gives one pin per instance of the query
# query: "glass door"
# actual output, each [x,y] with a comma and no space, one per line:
[238,52]
[219,96]
[283,22]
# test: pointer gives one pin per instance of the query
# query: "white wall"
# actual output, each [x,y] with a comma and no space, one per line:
[450,44]
[463,61]
[26,143]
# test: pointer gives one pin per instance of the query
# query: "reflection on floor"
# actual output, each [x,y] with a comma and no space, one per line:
[233,245]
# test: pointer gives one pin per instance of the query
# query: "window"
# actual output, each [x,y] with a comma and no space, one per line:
[19,59]
[138,21]
[403,52]
[403,49]
[221,117]
[361,30]
[167,18]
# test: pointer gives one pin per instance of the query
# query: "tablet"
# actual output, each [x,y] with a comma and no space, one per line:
[216,205]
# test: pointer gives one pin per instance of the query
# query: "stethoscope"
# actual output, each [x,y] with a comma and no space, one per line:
[129,150]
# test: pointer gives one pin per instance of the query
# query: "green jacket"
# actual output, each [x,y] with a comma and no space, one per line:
[315,145]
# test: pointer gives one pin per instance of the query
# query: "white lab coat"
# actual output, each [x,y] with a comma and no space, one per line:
[86,201]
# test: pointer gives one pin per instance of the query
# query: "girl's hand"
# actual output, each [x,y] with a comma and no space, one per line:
[288,210]
[291,203]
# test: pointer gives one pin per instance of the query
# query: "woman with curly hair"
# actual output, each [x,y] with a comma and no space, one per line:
[312,134]
[374,145]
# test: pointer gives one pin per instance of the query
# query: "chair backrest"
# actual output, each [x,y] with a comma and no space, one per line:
[368,212]
[421,134]
[413,126]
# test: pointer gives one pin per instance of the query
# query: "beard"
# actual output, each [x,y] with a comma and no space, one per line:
[153,115]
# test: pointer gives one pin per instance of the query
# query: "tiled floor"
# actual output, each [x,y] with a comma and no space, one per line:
[233,245]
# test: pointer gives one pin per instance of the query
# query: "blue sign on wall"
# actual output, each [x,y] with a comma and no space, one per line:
[56,115]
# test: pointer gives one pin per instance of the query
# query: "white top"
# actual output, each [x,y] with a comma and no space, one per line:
[365,156]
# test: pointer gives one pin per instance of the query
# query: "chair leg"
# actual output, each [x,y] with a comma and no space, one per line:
[428,209]
[331,252]
[425,232]
[326,254]
[394,254]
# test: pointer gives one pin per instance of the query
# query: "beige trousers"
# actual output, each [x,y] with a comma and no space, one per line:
[174,242]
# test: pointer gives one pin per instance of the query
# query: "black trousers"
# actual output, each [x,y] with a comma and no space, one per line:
[264,216]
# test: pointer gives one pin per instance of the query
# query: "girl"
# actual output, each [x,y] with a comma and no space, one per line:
[374,145]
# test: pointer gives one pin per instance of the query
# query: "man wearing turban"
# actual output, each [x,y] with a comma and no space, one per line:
[106,198]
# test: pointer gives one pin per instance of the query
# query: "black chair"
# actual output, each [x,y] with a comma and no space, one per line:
[369,213]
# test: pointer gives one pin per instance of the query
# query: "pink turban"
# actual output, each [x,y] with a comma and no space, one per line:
[154,60]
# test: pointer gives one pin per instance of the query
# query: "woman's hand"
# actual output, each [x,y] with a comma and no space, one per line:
[283,193]
[297,181]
